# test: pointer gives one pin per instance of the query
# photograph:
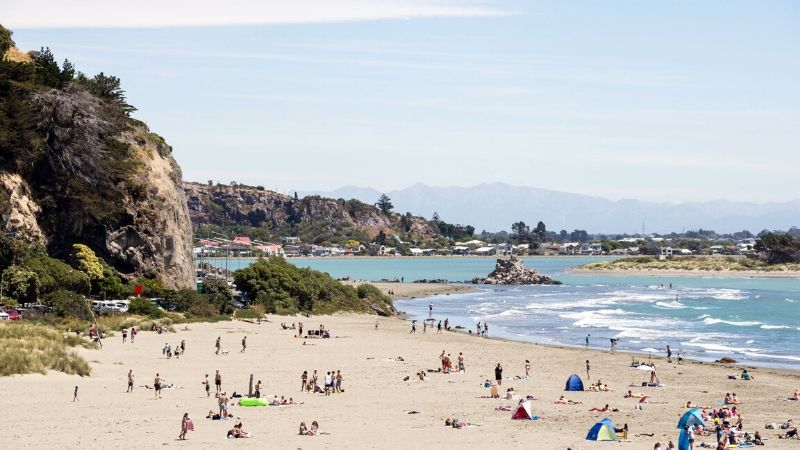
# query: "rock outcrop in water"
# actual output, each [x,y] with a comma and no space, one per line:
[511,271]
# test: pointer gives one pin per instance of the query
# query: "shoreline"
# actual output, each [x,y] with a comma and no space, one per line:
[689,273]
[410,412]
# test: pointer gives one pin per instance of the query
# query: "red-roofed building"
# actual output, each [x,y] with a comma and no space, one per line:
[243,240]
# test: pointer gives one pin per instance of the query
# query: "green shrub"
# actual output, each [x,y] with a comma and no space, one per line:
[145,308]
[68,304]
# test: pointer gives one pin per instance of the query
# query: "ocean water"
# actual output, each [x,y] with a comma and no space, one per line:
[754,320]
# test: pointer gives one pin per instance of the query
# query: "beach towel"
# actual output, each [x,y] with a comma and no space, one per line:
[189,425]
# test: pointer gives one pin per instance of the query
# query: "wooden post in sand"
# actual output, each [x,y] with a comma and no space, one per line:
[250,389]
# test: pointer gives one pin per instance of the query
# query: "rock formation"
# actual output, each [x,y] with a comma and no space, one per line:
[282,215]
[511,271]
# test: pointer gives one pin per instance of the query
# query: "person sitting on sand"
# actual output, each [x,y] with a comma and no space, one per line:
[795,396]
[510,393]
[313,430]
[303,429]
[746,375]
[728,399]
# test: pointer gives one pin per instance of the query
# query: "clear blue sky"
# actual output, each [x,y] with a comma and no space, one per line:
[660,100]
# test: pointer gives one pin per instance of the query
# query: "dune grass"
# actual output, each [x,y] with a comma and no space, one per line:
[31,348]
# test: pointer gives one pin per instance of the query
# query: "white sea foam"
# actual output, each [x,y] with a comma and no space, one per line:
[670,305]
[710,347]
[776,327]
[745,323]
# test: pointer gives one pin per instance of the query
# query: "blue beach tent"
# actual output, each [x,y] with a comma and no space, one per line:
[683,440]
[602,431]
[691,418]
[574,383]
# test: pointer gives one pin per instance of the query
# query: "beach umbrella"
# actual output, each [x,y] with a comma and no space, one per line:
[602,431]
[683,441]
[691,418]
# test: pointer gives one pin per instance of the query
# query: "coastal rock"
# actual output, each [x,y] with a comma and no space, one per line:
[511,271]
[284,215]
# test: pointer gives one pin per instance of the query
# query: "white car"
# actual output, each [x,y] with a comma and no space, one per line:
[4,315]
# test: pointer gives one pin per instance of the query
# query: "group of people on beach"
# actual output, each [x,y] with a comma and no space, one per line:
[180,349]
[332,383]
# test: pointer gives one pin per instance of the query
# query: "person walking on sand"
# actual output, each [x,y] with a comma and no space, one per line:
[207,386]
[424,327]
[183,346]
[413,327]
[461,362]
[439,327]
[527,367]
[498,374]
[303,381]
[486,329]
[130,381]
[75,395]
[157,385]
[133,334]
[244,344]
[218,345]
[124,335]
[376,325]
[186,426]
[669,354]
[218,381]
[588,368]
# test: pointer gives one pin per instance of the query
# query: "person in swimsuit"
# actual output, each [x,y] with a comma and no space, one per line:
[124,335]
[303,380]
[208,386]
[218,345]
[244,344]
[130,381]
[527,368]
[498,374]
[75,394]
[218,381]
[157,385]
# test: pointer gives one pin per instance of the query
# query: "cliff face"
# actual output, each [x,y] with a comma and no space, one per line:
[75,168]
[284,215]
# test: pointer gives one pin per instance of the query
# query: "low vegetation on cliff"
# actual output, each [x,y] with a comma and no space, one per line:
[690,263]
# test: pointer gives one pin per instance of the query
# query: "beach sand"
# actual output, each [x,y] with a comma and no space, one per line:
[373,412]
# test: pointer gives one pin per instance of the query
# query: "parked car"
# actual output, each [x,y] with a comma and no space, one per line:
[12,314]
[3,315]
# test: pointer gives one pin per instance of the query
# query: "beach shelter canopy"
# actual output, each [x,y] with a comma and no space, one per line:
[683,441]
[574,383]
[523,411]
[691,418]
[602,431]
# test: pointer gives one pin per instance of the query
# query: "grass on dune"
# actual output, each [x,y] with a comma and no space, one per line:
[30,348]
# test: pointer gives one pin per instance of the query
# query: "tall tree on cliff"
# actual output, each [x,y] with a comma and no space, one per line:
[385,204]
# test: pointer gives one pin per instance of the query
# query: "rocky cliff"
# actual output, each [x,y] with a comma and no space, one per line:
[269,215]
[512,271]
[75,168]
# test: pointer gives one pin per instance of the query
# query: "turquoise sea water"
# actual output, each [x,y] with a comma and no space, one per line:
[754,320]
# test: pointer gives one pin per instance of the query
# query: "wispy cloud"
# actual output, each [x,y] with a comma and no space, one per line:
[189,13]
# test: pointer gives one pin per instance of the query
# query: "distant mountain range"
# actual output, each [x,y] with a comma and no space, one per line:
[495,206]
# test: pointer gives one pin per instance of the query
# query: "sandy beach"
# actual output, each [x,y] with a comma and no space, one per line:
[373,412]
[692,273]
